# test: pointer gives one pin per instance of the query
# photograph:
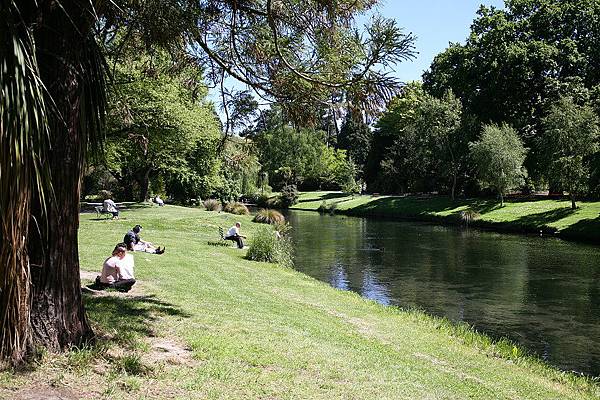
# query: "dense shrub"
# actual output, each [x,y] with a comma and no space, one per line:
[262,200]
[289,196]
[234,207]
[266,216]
[273,202]
[212,205]
[104,194]
[468,216]
[327,207]
[269,246]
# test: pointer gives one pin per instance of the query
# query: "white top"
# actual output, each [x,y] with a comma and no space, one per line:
[109,270]
[126,266]
[233,231]
[159,201]
[109,205]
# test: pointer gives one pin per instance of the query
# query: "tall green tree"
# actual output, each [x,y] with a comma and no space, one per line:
[498,156]
[571,136]
[157,121]
[394,123]
[519,59]
[355,137]
[440,120]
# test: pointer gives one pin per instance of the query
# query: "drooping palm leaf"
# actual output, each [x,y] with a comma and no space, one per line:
[23,146]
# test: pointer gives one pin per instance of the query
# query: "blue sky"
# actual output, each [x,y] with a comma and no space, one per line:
[435,23]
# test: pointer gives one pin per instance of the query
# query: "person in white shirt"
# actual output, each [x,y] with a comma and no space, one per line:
[159,201]
[117,271]
[234,234]
[109,206]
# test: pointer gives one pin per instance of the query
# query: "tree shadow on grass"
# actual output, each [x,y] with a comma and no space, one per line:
[327,196]
[125,316]
[541,220]
[587,230]
[408,206]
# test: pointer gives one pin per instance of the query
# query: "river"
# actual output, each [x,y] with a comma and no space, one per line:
[542,293]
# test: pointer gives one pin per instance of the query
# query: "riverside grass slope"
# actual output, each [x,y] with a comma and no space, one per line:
[204,323]
[554,217]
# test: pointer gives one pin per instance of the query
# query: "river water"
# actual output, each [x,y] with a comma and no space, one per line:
[542,293]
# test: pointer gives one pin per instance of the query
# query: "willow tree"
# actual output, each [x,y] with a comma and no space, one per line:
[53,104]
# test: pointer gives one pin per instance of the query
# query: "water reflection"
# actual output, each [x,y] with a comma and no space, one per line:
[542,293]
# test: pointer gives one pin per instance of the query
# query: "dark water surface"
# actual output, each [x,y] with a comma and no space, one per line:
[542,293]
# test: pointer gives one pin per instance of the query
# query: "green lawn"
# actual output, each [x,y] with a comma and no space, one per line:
[236,329]
[550,216]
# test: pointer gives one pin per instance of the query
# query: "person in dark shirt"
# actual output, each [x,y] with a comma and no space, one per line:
[135,243]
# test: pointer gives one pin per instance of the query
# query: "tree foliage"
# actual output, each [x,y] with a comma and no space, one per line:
[519,60]
[300,157]
[161,128]
[498,156]
[570,138]
[420,144]
[355,137]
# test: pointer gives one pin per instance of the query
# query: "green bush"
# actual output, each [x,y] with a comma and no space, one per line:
[266,216]
[273,202]
[262,200]
[327,208]
[289,196]
[269,246]
[104,194]
[212,205]
[234,207]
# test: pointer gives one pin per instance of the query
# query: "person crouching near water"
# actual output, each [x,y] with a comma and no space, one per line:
[234,234]
[117,271]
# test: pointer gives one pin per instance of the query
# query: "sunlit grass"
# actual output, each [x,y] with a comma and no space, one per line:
[256,330]
[548,216]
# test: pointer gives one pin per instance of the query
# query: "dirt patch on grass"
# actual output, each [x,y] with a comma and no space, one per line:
[89,275]
[168,351]
[46,392]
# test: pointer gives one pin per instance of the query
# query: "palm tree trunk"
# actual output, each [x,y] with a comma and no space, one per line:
[58,318]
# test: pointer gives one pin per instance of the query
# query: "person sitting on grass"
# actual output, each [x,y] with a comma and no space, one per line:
[234,234]
[117,271]
[135,243]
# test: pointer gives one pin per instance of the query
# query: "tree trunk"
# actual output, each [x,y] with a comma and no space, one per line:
[453,190]
[501,200]
[58,318]
[573,205]
[144,184]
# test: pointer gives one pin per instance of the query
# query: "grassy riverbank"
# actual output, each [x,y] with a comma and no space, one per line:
[203,322]
[553,217]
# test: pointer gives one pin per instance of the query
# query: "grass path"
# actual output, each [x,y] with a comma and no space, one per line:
[206,323]
[550,216]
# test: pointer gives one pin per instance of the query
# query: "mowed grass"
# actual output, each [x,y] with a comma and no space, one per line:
[258,331]
[550,216]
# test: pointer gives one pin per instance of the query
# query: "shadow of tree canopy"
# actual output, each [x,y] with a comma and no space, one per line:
[587,230]
[544,218]
[127,317]
[327,196]
[408,206]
